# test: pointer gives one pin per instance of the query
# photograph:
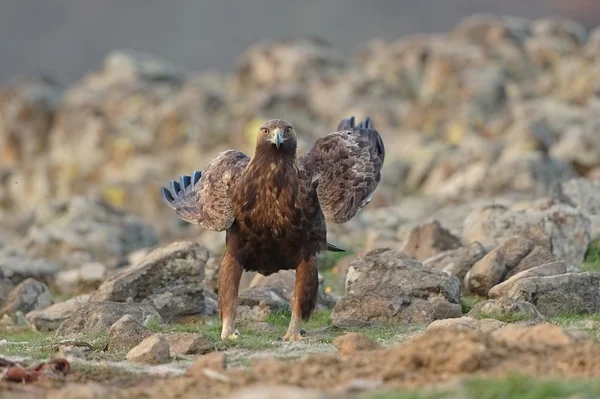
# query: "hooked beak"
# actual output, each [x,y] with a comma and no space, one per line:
[277,138]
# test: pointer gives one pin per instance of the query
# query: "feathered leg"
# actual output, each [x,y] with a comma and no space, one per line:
[306,293]
[230,274]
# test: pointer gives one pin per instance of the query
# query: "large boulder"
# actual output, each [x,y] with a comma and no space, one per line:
[98,317]
[567,229]
[429,239]
[169,278]
[49,319]
[548,269]
[457,262]
[565,293]
[388,286]
[125,334]
[27,296]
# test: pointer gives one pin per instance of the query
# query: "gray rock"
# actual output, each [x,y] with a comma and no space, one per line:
[152,350]
[429,239]
[457,262]
[6,287]
[388,286]
[568,229]
[18,267]
[27,296]
[189,344]
[169,278]
[505,309]
[126,333]
[90,274]
[548,269]
[467,323]
[100,316]
[493,267]
[88,228]
[257,303]
[49,319]
[583,194]
[565,293]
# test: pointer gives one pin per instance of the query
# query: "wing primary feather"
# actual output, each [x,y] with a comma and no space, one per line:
[167,198]
[185,181]
[333,248]
[175,189]
[345,124]
[196,177]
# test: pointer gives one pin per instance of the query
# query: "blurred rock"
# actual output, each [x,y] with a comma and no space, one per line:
[388,286]
[18,267]
[152,350]
[89,275]
[457,262]
[467,323]
[188,344]
[169,278]
[505,309]
[351,343]
[257,303]
[584,195]
[126,333]
[565,293]
[49,319]
[429,239]
[276,392]
[87,226]
[567,229]
[27,296]
[6,287]
[215,361]
[100,316]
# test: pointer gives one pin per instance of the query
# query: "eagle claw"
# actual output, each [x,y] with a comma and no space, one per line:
[233,335]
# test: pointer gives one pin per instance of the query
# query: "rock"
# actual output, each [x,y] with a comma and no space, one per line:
[169,278]
[565,293]
[538,336]
[152,350]
[388,286]
[126,333]
[494,266]
[467,323]
[276,392]
[90,274]
[98,317]
[350,343]
[188,344]
[213,361]
[584,195]
[429,239]
[567,229]
[27,107]
[87,227]
[580,147]
[49,319]
[457,262]
[548,269]
[27,296]
[257,303]
[6,287]
[505,309]
[284,281]
[18,267]
[87,390]
[260,326]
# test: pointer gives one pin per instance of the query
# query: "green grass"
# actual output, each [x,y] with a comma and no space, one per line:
[505,317]
[467,302]
[592,257]
[512,387]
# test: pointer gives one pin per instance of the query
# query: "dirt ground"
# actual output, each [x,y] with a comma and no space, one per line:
[432,358]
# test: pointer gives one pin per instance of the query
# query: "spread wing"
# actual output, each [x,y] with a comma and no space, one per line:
[203,198]
[346,168]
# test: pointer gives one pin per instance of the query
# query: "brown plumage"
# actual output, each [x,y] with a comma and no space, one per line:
[274,207]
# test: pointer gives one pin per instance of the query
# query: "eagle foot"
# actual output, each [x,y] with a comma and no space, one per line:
[295,335]
[233,335]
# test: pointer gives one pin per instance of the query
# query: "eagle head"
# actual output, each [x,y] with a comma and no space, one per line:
[277,133]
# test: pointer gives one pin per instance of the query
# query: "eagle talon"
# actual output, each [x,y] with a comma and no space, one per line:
[295,336]
[233,336]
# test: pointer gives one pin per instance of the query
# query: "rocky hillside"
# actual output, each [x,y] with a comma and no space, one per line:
[490,194]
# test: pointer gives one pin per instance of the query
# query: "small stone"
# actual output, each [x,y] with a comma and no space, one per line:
[351,343]
[213,361]
[540,335]
[152,350]
[126,333]
[549,269]
[50,318]
[188,344]
[429,239]
[27,296]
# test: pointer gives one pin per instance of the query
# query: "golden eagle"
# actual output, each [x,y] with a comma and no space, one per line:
[275,205]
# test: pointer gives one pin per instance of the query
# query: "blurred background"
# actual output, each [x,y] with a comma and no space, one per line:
[104,102]
[67,38]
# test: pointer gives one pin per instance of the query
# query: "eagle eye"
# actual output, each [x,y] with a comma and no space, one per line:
[264,130]
[288,129]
